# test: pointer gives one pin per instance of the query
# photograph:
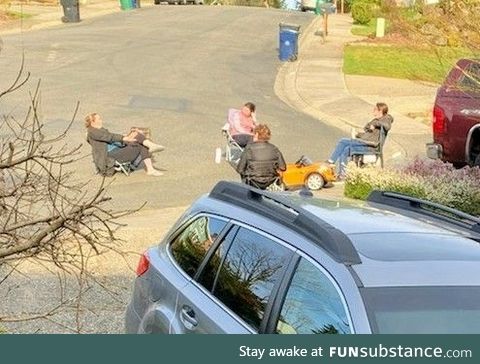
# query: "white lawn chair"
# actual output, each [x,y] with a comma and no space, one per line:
[233,151]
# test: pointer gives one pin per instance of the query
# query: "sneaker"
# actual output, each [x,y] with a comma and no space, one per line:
[155,173]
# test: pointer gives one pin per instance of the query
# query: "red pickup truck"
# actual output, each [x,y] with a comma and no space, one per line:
[456,116]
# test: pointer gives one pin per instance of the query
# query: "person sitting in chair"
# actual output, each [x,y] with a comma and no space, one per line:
[109,147]
[364,141]
[260,161]
[240,124]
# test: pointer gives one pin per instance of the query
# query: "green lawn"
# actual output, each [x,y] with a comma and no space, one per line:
[18,15]
[401,61]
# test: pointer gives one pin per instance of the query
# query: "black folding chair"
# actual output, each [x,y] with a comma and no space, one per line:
[376,152]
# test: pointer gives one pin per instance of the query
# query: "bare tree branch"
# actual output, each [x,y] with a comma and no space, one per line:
[47,214]
[19,81]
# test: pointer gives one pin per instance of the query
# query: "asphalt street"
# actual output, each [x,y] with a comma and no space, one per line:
[174,69]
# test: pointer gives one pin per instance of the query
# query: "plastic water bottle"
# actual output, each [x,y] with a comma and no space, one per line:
[218,155]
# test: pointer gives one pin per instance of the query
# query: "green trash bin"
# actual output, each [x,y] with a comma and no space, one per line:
[126,4]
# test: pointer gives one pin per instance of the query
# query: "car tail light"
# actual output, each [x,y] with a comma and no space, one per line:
[439,121]
[143,264]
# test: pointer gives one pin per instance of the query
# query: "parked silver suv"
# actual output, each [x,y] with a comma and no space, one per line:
[241,260]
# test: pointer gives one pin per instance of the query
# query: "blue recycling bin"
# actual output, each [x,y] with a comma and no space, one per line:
[288,42]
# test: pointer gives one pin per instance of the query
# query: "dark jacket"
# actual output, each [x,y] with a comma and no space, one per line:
[373,136]
[98,139]
[259,163]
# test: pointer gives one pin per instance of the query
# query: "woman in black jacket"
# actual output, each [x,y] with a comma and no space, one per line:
[261,161]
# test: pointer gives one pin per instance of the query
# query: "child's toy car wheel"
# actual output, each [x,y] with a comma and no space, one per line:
[314,182]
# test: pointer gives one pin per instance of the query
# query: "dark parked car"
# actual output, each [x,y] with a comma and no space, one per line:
[243,261]
[456,116]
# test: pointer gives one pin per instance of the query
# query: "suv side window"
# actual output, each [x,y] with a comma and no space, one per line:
[312,304]
[249,271]
[209,272]
[192,244]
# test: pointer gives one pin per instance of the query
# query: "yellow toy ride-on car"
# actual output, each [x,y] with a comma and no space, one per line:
[304,172]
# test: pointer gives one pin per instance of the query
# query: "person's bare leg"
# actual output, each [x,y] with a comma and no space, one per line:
[153,147]
[149,167]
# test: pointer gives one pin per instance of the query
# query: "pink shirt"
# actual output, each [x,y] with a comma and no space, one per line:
[239,123]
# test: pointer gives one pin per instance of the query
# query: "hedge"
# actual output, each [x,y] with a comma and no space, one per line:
[427,179]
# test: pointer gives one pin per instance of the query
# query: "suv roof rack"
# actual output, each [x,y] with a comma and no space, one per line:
[432,209]
[285,212]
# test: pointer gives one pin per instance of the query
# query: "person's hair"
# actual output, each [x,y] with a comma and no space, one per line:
[251,106]
[89,119]
[381,106]
[263,132]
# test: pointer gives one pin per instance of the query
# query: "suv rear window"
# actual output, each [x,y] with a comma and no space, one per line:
[312,304]
[192,244]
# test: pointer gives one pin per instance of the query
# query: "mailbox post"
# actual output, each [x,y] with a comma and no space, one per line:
[323,7]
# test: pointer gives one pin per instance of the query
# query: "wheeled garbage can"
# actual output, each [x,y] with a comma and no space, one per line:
[126,4]
[71,11]
[288,41]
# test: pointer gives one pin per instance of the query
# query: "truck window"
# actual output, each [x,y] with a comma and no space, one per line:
[470,79]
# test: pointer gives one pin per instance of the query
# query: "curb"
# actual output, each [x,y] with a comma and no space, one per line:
[286,88]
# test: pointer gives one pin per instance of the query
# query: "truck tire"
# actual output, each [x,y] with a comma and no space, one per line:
[477,161]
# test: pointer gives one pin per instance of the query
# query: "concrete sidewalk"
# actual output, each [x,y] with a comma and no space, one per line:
[315,84]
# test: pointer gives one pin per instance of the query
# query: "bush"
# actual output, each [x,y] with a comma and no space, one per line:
[362,12]
[430,180]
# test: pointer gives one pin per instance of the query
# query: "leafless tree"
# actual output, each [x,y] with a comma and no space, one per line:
[452,23]
[46,214]
[445,28]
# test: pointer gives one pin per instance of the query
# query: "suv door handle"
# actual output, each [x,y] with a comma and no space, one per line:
[187,316]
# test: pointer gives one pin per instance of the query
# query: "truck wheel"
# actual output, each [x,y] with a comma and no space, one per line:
[477,161]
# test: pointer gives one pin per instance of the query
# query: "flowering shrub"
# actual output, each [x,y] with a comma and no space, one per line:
[427,179]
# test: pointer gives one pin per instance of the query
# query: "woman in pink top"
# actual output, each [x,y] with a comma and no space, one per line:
[241,124]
